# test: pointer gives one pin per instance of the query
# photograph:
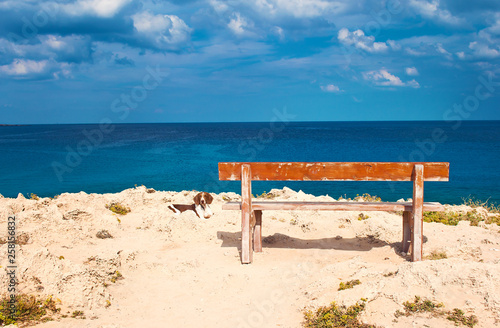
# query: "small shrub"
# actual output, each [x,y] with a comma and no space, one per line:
[34,196]
[336,316]
[116,276]
[421,306]
[78,314]
[362,217]
[118,208]
[29,309]
[452,218]
[349,284]
[61,257]
[474,203]
[108,304]
[266,195]
[457,316]
[437,255]
[367,198]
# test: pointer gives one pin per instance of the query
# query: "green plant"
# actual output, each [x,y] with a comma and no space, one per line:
[474,203]
[116,276]
[34,196]
[336,316]
[458,316]
[78,314]
[28,308]
[362,217]
[437,255]
[266,195]
[452,218]
[349,284]
[118,208]
[420,305]
[367,198]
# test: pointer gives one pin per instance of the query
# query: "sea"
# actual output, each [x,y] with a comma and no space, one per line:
[47,160]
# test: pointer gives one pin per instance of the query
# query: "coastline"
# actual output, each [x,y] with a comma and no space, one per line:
[184,271]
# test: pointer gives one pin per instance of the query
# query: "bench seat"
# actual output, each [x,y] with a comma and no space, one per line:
[334,206]
[412,212]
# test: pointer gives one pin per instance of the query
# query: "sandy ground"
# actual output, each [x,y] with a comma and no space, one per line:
[182,271]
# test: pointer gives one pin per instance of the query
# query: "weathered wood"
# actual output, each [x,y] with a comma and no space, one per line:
[334,206]
[257,232]
[335,171]
[246,213]
[418,202]
[406,241]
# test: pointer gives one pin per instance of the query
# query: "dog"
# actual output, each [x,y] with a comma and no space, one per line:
[201,206]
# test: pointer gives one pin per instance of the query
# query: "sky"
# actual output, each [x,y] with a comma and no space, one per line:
[126,61]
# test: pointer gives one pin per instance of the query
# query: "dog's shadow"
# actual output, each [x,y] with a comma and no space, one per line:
[278,240]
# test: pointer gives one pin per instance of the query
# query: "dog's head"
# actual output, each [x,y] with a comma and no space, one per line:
[203,200]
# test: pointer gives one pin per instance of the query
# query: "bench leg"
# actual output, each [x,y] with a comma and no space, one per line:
[257,232]
[407,218]
[246,215]
[418,206]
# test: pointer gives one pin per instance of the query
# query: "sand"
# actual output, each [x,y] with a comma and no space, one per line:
[182,271]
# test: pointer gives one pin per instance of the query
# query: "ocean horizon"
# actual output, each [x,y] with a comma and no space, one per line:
[51,159]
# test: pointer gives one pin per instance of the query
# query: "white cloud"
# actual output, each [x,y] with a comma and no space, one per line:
[431,10]
[163,31]
[299,8]
[384,78]
[219,7]
[237,24]
[359,40]
[414,52]
[441,50]
[482,50]
[411,71]
[23,67]
[101,8]
[460,54]
[331,88]
[394,45]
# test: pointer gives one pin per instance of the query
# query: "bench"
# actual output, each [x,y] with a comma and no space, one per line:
[251,211]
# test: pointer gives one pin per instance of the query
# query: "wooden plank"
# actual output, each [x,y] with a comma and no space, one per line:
[334,206]
[335,171]
[406,241]
[246,213]
[257,232]
[418,202]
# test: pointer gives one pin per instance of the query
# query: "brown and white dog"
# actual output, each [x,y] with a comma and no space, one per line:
[201,206]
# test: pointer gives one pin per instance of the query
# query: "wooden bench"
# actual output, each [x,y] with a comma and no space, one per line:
[251,211]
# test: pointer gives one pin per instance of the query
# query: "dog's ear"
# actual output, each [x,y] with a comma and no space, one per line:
[197,198]
[209,198]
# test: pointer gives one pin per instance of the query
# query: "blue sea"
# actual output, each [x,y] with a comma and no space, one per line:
[52,159]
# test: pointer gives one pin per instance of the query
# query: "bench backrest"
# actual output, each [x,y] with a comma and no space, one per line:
[335,171]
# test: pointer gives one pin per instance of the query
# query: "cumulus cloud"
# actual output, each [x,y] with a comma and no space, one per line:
[28,69]
[359,40]
[161,31]
[482,50]
[384,78]
[330,88]
[237,24]
[433,11]
[411,71]
[100,8]
[24,67]
[299,8]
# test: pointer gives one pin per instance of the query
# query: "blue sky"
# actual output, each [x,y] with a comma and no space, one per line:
[82,61]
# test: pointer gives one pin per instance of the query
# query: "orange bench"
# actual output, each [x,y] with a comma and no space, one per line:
[251,211]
